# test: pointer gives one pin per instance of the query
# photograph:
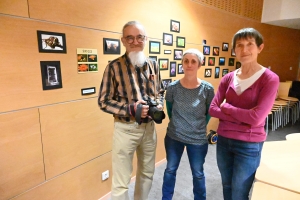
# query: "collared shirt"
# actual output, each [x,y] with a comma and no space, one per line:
[120,78]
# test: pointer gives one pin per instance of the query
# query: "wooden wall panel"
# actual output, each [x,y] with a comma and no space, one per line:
[14,7]
[74,133]
[21,166]
[83,182]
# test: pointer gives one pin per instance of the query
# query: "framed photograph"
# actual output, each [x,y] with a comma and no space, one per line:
[167,51]
[180,42]
[207,72]
[175,26]
[51,75]
[221,61]
[51,42]
[163,63]
[166,82]
[172,69]
[217,72]
[180,69]
[216,51]
[111,46]
[225,46]
[177,54]
[224,72]
[203,61]
[168,39]
[211,61]
[153,58]
[232,53]
[154,47]
[206,50]
[238,65]
[204,42]
[231,62]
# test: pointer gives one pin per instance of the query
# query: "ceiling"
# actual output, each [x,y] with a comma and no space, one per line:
[288,23]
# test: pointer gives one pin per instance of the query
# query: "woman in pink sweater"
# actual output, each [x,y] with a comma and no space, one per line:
[242,103]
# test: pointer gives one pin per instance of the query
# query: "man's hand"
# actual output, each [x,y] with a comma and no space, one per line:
[145,108]
[159,107]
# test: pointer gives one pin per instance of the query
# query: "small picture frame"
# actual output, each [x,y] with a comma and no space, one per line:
[168,39]
[172,69]
[206,50]
[175,26]
[167,51]
[180,69]
[232,53]
[207,72]
[180,42]
[163,63]
[51,42]
[238,65]
[221,61]
[231,62]
[178,54]
[211,61]
[165,83]
[225,46]
[203,61]
[216,51]
[51,75]
[217,72]
[111,46]
[204,42]
[154,47]
[153,58]
[224,72]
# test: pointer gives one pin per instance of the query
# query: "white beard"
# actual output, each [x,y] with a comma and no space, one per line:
[137,58]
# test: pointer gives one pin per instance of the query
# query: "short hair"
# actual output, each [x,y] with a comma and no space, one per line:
[198,53]
[132,23]
[247,33]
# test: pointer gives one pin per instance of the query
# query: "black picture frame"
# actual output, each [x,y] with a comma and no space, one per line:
[51,75]
[154,47]
[163,63]
[224,72]
[180,69]
[111,46]
[180,42]
[231,61]
[88,91]
[217,72]
[232,53]
[153,58]
[221,61]
[203,61]
[165,83]
[178,54]
[238,65]
[172,69]
[51,42]
[207,72]
[216,51]
[167,39]
[225,46]
[206,50]
[211,61]
[175,26]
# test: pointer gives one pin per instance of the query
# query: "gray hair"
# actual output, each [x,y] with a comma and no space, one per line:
[196,52]
[132,23]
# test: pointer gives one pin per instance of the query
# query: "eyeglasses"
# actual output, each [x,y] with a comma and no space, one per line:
[139,38]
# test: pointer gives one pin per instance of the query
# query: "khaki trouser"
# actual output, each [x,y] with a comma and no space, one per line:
[128,138]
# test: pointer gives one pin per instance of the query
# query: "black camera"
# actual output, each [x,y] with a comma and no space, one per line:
[212,137]
[156,114]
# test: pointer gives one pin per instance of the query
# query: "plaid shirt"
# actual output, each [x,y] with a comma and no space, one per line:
[113,97]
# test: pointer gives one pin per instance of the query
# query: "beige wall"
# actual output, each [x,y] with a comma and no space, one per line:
[54,144]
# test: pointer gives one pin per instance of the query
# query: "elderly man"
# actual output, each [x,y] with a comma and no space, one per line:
[128,83]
